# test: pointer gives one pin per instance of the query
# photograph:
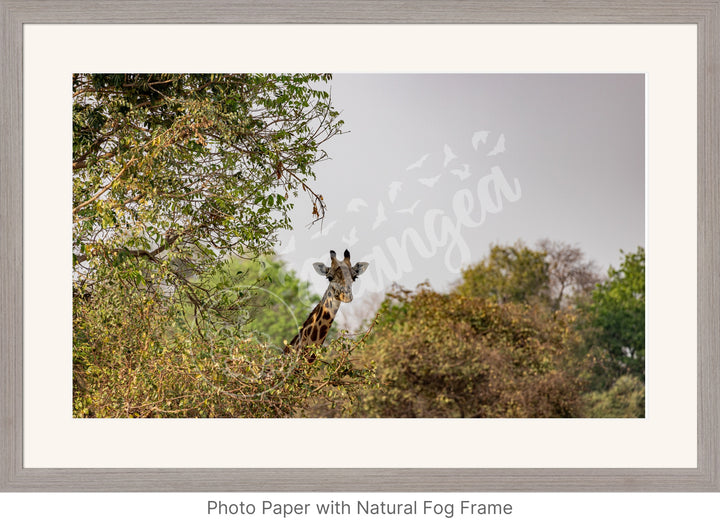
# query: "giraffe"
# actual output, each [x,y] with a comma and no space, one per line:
[341,275]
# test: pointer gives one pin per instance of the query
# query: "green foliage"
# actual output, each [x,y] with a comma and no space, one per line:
[625,399]
[509,274]
[555,275]
[276,300]
[137,356]
[451,355]
[172,173]
[616,316]
[514,339]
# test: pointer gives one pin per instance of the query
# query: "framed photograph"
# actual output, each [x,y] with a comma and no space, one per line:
[251,247]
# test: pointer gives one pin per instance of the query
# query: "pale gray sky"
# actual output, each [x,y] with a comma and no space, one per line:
[493,159]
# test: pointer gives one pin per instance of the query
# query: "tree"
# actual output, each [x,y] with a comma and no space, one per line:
[172,175]
[277,301]
[616,315]
[625,399]
[450,355]
[174,172]
[552,275]
[509,274]
[569,275]
[135,355]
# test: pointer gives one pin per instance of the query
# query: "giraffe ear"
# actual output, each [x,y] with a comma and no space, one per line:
[360,267]
[321,268]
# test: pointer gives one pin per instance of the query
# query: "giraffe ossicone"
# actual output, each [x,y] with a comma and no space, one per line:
[340,274]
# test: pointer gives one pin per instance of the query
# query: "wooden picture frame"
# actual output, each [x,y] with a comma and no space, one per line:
[15,13]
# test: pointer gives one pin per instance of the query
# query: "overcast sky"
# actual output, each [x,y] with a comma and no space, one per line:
[435,167]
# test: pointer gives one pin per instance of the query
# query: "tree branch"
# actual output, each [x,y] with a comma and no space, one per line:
[104,188]
[138,253]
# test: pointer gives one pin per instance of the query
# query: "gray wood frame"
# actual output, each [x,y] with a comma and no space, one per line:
[15,13]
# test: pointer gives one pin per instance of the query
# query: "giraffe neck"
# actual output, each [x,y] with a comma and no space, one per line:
[328,306]
[316,327]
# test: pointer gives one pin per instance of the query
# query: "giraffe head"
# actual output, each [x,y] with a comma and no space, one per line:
[341,275]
